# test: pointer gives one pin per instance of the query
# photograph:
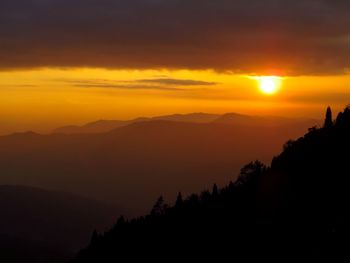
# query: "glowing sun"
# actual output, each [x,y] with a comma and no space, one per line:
[269,84]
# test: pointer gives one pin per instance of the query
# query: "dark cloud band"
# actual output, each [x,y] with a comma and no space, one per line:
[290,37]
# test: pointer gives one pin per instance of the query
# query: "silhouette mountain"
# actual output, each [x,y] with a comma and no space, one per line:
[103,126]
[297,209]
[99,126]
[149,157]
[37,225]
[263,121]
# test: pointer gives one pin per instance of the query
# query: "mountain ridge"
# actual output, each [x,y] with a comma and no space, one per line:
[176,155]
[296,208]
[102,126]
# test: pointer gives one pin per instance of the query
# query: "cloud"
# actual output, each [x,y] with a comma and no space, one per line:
[156,83]
[178,82]
[309,37]
[138,84]
[116,86]
[19,85]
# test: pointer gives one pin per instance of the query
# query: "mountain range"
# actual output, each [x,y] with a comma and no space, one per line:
[55,189]
[149,157]
[295,209]
[108,125]
[102,126]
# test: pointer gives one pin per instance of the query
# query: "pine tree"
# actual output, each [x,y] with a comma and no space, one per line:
[121,221]
[215,190]
[159,207]
[94,238]
[179,200]
[339,119]
[328,121]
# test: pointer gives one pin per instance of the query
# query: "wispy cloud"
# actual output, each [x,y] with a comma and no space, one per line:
[178,82]
[19,85]
[166,84]
[126,86]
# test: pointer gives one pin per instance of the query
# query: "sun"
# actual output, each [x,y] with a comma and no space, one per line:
[269,84]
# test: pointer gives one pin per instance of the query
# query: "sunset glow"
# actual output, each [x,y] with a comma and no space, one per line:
[269,84]
[43,99]
[191,120]
[126,59]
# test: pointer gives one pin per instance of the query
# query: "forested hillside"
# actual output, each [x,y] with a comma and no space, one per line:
[296,209]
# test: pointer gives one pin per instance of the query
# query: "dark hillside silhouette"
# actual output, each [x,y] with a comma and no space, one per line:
[38,225]
[295,210]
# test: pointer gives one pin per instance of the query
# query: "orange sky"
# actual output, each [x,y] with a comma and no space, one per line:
[43,99]
[71,62]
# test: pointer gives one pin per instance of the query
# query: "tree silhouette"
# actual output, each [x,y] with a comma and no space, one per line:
[94,238]
[289,143]
[251,171]
[121,221]
[329,120]
[215,191]
[297,208]
[339,119]
[179,200]
[159,207]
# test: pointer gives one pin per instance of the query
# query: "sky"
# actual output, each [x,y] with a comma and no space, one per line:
[71,62]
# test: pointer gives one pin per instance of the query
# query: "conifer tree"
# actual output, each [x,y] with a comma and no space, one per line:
[94,238]
[159,207]
[215,190]
[179,200]
[328,121]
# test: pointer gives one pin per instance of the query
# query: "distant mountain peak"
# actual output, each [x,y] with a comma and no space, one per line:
[103,126]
